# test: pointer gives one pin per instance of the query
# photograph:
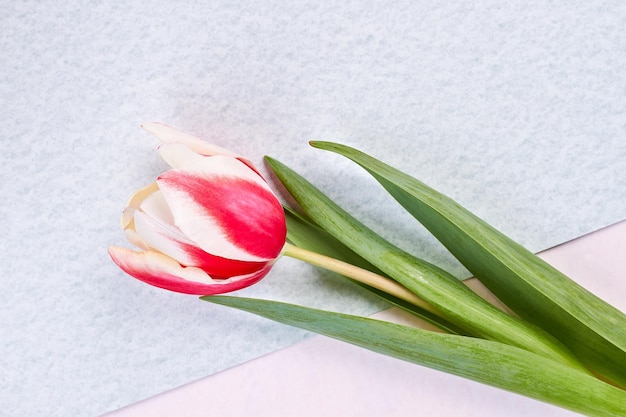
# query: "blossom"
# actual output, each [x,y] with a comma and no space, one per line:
[209,225]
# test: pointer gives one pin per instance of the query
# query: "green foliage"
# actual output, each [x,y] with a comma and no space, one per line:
[594,330]
[453,300]
[530,354]
[481,360]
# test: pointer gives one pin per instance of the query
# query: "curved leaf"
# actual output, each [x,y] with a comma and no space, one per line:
[593,329]
[488,362]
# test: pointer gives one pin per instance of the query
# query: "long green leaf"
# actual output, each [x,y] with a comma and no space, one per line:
[453,300]
[484,361]
[591,328]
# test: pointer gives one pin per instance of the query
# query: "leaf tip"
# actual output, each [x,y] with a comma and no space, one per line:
[320,144]
[273,163]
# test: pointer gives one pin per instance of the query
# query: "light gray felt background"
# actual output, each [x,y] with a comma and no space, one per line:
[516,109]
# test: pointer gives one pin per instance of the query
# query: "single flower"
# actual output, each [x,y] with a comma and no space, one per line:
[209,225]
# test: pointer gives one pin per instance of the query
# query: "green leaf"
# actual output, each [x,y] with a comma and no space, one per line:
[452,299]
[593,329]
[304,234]
[481,360]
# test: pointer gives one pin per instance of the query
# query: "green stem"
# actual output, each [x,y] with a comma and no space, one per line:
[358,274]
[379,282]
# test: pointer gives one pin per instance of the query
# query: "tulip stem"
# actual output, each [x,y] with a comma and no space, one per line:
[358,274]
[382,283]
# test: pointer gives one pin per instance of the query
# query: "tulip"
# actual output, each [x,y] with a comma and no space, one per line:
[209,225]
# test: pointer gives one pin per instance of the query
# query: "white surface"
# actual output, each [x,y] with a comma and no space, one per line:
[517,110]
[321,376]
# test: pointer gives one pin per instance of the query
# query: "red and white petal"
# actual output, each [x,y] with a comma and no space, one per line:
[161,271]
[225,166]
[163,237]
[226,211]
[168,134]
[219,267]
[154,229]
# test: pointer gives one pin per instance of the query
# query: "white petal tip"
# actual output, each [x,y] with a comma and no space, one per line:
[162,131]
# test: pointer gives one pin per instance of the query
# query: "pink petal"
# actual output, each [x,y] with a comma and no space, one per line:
[168,240]
[219,267]
[163,272]
[226,209]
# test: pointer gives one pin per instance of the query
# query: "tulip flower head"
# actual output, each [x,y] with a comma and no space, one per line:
[209,225]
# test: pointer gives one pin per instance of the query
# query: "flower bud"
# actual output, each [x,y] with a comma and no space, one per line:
[209,225]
